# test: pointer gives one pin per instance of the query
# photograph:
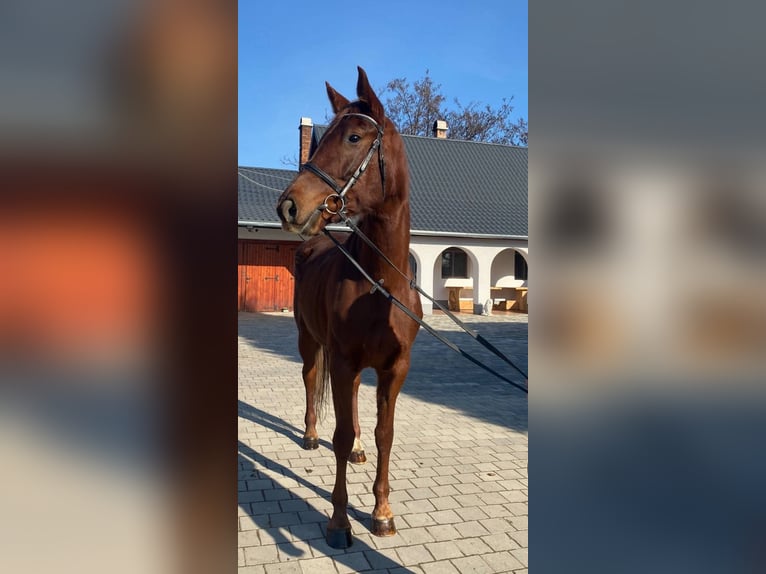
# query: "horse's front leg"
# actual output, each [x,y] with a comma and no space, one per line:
[344,386]
[357,455]
[389,384]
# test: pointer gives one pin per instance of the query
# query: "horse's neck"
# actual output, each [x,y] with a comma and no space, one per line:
[390,232]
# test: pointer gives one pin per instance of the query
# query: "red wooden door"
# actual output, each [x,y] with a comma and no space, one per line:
[266,280]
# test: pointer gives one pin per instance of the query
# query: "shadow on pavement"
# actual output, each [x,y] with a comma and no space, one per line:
[303,524]
[437,374]
[276,424]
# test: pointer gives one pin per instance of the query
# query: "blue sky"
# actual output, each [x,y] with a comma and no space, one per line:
[288,49]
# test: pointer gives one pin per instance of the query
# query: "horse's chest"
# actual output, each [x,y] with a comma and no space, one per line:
[371,340]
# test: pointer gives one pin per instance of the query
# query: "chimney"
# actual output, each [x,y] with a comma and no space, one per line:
[305,128]
[440,129]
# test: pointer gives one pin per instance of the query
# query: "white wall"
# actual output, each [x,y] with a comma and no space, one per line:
[427,252]
[481,254]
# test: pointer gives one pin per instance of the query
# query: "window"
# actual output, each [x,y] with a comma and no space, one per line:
[413,266]
[520,266]
[454,263]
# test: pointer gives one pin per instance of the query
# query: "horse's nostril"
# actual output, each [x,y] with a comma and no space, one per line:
[287,210]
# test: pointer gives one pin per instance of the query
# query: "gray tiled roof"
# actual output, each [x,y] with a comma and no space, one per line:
[467,187]
[455,187]
[259,189]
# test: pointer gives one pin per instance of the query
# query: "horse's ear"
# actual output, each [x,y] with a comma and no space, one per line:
[364,92]
[338,102]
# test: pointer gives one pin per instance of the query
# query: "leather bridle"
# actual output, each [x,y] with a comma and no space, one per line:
[339,197]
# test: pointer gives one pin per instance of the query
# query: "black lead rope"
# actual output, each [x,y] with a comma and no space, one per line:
[415,286]
[378,286]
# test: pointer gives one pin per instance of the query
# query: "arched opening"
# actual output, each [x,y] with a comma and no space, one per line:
[453,279]
[508,278]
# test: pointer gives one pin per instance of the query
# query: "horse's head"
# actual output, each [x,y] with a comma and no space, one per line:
[346,173]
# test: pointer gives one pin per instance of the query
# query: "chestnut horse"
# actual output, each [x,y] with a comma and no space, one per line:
[360,170]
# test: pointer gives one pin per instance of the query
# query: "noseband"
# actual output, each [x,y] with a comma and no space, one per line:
[340,191]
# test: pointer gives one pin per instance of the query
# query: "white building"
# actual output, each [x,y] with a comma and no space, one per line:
[469,239]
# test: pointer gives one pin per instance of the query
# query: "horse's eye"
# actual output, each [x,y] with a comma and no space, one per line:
[353,138]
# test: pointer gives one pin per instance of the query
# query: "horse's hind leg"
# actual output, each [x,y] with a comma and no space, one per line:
[308,349]
[357,455]
[389,384]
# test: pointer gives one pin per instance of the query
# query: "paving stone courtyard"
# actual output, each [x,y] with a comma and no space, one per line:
[458,464]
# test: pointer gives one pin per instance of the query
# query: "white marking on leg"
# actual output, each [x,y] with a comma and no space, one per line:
[358,445]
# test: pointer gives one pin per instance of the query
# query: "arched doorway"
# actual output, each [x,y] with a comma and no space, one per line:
[508,277]
[453,279]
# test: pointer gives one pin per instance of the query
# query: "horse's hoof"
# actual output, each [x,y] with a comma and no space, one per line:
[357,457]
[383,527]
[338,537]
[310,443]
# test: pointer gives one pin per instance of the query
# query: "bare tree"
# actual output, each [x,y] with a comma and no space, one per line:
[415,107]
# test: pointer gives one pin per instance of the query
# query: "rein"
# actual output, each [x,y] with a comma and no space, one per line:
[378,286]
[339,208]
[414,285]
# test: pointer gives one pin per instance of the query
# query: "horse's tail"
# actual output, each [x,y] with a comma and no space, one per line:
[322,381]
